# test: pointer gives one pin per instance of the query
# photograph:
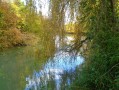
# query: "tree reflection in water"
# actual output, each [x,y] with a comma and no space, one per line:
[56,74]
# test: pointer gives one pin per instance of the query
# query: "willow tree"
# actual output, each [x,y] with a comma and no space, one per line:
[60,10]
[36,23]
[99,20]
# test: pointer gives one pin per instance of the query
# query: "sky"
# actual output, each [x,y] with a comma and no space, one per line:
[44,6]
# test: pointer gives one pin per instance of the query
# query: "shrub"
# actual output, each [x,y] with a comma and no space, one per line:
[12,37]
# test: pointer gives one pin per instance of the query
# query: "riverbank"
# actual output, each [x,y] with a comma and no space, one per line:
[14,38]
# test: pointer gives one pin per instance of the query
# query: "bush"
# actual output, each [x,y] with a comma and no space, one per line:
[12,37]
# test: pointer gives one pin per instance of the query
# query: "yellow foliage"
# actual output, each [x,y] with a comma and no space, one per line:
[12,37]
[16,9]
[15,36]
[70,27]
[9,18]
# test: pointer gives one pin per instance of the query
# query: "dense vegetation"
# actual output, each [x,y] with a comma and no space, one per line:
[11,22]
[96,28]
[100,19]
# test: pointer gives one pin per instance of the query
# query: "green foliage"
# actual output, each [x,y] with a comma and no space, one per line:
[100,70]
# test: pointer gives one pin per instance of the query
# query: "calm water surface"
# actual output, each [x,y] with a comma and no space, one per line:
[21,69]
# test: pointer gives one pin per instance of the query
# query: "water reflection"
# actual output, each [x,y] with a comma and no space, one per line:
[55,72]
[23,68]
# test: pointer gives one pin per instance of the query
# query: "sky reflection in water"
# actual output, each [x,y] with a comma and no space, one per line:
[53,70]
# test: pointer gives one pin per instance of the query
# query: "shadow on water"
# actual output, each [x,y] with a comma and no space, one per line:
[22,69]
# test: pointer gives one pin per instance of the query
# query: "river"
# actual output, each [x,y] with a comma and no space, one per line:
[21,69]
